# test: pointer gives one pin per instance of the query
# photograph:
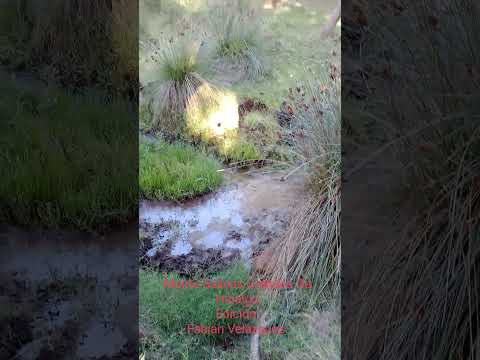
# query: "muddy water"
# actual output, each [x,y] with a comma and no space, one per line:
[73,294]
[236,221]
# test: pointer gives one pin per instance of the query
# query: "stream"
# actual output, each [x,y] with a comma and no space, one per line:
[209,232]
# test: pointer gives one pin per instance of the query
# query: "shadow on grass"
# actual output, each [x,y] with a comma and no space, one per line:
[60,163]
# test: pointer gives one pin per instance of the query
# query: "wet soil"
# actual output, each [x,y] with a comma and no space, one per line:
[65,295]
[208,233]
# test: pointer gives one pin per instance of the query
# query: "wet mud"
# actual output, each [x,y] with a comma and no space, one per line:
[210,232]
[65,295]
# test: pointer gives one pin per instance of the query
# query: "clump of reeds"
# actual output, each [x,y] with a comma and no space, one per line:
[311,247]
[427,292]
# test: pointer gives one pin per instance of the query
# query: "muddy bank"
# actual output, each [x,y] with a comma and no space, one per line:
[68,295]
[212,231]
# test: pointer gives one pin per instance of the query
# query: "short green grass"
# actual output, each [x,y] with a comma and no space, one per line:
[176,171]
[165,312]
[292,45]
[60,164]
[238,150]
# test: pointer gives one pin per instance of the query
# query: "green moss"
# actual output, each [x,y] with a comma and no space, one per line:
[176,172]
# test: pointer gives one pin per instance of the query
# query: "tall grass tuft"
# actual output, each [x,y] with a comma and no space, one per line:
[178,81]
[311,247]
[429,297]
[239,43]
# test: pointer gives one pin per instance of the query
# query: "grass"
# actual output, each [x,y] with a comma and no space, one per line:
[292,44]
[262,124]
[59,162]
[434,266]
[288,43]
[74,44]
[238,150]
[311,246]
[239,42]
[165,312]
[176,172]
[177,83]
[311,335]
[178,64]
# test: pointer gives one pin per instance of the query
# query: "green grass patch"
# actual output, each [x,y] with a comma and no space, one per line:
[292,44]
[164,313]
[60,164]
[176,172]
[238,150]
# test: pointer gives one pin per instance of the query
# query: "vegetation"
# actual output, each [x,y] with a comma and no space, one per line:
[165,312]
[312,245]
[239,113]
[310,248]
[175,172]
[438,144]
[73,43]
[178,82]
[312,335]
[43,168]
[239,151]
[239,43]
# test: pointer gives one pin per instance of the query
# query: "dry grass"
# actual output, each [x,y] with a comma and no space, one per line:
[311,247]
[423,302]
[320,339]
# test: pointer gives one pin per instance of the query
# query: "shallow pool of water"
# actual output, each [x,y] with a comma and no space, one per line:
[237,217]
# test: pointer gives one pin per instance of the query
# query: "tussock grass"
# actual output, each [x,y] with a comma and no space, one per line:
[311,247]
[238,42]
[427,294]
[178,82]
[59,161]
[183,104]
[176,172]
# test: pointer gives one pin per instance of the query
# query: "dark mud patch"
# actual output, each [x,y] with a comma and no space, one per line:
[161,249]
[195,262]
[66,295]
